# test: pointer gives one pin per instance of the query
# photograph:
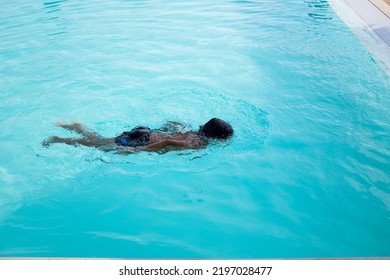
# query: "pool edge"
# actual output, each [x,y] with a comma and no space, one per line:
[375,18]
[370,25]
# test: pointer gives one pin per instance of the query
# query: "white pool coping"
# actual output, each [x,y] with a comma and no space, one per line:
[369,24]
[374,17]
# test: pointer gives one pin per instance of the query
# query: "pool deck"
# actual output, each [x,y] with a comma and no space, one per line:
[376,13]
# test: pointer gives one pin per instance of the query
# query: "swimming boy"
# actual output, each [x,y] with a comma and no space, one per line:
[144,139]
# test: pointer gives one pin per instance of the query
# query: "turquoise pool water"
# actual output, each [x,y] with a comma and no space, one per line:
[306,174]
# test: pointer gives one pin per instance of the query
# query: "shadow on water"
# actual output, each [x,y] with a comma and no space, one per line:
[319,12]
[53,6]
[319,9]
[52,9]
[244,2]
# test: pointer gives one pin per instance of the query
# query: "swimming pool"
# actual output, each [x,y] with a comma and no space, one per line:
[306,174]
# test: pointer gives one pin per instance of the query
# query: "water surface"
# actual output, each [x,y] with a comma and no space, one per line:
[306,174]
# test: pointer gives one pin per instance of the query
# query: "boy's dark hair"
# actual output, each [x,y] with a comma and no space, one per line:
[216,128]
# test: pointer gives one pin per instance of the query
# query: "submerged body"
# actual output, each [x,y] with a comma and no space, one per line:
[144,139]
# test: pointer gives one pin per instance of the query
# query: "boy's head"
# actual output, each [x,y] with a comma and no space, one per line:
[216,128]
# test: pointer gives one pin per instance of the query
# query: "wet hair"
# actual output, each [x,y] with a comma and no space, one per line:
[217,129]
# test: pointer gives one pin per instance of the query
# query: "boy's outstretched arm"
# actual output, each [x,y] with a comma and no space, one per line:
[124,151]
[153,147]
[163,144]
